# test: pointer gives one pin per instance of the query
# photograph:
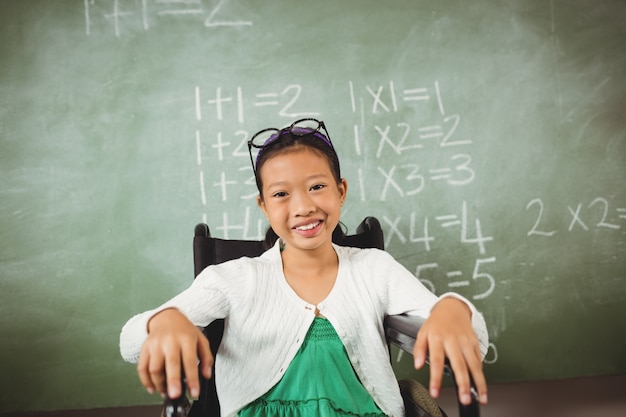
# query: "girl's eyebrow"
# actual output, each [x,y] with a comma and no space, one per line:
[282,183]
[316,176]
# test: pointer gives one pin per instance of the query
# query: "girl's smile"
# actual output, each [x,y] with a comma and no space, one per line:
[309,229]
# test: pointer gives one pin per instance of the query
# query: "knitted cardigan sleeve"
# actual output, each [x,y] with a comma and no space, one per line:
[210,296]
[403,293]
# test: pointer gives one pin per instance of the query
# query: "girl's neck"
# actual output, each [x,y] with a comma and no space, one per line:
[311,274]
[309,262]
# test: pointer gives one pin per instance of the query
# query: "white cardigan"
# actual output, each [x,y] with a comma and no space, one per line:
[266,321]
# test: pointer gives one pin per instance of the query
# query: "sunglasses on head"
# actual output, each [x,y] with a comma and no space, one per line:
[266,137]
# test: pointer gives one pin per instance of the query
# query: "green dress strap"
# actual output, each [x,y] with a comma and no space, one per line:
[320,382]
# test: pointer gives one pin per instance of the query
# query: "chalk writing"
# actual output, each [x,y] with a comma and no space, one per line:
[596,214]
[403,133]
[384,98]
[453,280]
[285,100]
[410,172]
[245,227]
[403,145]
[466,234]
[492,354]
[398,147]
[535,230]
[121,15]
[403,180]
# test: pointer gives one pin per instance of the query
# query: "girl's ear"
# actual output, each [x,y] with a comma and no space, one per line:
[343,190]
[261,204]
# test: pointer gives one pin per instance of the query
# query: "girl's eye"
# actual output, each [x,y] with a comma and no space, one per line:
[279,194]
[317,187]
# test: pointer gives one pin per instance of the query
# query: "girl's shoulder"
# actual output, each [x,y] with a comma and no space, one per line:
[371,262]
[245,262]
[241,267]
[364,255]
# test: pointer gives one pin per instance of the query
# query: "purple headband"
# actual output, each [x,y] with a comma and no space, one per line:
[297,131]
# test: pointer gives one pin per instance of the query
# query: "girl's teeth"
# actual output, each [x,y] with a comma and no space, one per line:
[308,226]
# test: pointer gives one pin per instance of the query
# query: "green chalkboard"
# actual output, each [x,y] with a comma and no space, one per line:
[488,137]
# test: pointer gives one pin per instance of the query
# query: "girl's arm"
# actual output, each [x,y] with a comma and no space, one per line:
[453,328]
[160,340]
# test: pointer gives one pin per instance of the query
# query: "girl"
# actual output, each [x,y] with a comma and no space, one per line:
[304,321]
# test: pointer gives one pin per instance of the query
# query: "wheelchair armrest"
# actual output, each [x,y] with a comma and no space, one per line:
[401,331]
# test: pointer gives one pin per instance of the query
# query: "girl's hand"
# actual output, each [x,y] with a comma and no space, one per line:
[448,332]
[173,340]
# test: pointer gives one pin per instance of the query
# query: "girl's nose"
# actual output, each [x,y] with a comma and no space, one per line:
[302,205]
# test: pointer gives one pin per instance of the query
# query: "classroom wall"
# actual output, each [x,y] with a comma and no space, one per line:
[488,138]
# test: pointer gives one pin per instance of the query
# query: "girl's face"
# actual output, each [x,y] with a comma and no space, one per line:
[301,198]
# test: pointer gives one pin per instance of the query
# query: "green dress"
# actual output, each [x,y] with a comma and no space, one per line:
[320,382]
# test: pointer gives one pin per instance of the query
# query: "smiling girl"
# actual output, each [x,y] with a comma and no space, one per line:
[304,321]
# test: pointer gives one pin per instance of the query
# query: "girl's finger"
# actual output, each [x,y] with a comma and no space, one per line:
[476,370]
[157,375]
[461,374]
[420,350]
[189,360]
[436,357]
[172,374]
[142,370]
[206,358]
